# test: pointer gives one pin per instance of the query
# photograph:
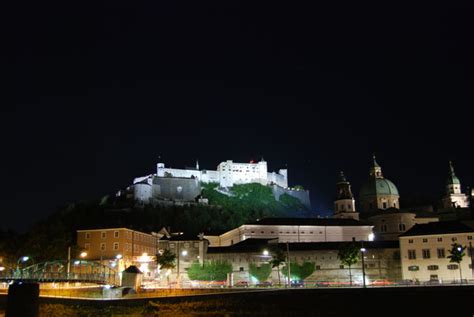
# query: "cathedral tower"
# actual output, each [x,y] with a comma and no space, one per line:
[344,205]
[454,197]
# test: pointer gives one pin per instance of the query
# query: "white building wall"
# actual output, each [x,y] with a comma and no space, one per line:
[294,234]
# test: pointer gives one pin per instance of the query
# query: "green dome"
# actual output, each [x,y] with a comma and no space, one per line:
[453,179]
[378,186]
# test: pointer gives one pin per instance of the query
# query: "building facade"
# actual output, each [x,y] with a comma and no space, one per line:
[296,230]
[120,247]
[381,260]
[389,225]
[425,249]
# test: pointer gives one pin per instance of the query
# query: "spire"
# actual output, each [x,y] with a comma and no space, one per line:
[375,161]
[342,177]
[376,170]
[451,169]
[197,165]
[452,178]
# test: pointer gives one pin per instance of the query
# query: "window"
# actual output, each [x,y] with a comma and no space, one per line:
[469,237]
[454,239]
[413,268]
[401,227]
[103,234]
[87,246]
[425,240]
[241,269]
[116,245]
[433,267]
[116,234]
[384,205]
[318,267]
[341,266]
[441,254]
[88,235]
[433,277]
[426,253]
[440,239]
[410,240]
[412,254]
[102,246]
[452,266]
[383,228]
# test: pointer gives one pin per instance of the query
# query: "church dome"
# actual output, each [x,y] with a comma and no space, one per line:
[378,186]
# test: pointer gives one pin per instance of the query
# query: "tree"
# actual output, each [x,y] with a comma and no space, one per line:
[349,255]
[299,272]
[278,258]
[166,261]
[209,270]
[456,255]
[262,272]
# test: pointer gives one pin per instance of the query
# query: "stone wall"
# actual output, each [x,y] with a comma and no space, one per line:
[302,195]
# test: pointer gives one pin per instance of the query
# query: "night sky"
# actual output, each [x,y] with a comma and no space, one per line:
[102,89]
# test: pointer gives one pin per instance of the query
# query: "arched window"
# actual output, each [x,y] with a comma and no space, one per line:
[402,227]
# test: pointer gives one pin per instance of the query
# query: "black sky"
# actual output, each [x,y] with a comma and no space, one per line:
[102,88]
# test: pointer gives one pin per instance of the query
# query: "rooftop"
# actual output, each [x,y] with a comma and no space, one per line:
[308,222]
[257,245]
[444,227]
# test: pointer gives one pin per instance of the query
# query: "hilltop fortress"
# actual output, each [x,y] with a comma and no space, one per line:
[184,185]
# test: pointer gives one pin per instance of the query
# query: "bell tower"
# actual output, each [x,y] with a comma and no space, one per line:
[344,205]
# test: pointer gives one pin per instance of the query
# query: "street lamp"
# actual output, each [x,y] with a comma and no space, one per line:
[83,254]
[21,259]
[265,252]
[362,251]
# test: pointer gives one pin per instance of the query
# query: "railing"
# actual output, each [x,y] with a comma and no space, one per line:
[61,271]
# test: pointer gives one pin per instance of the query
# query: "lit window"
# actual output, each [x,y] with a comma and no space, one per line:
[413,268]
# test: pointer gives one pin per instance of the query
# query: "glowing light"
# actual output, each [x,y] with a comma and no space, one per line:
[83,254]
[107,286]
[363,249]
[118,256]
[265,252]
[144,267]
[184,253]
[2,268]
[25,258]
[77,262]
[371,237]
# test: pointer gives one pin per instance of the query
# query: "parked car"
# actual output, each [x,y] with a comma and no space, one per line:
[297,283]
[264,284]
[241,284]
